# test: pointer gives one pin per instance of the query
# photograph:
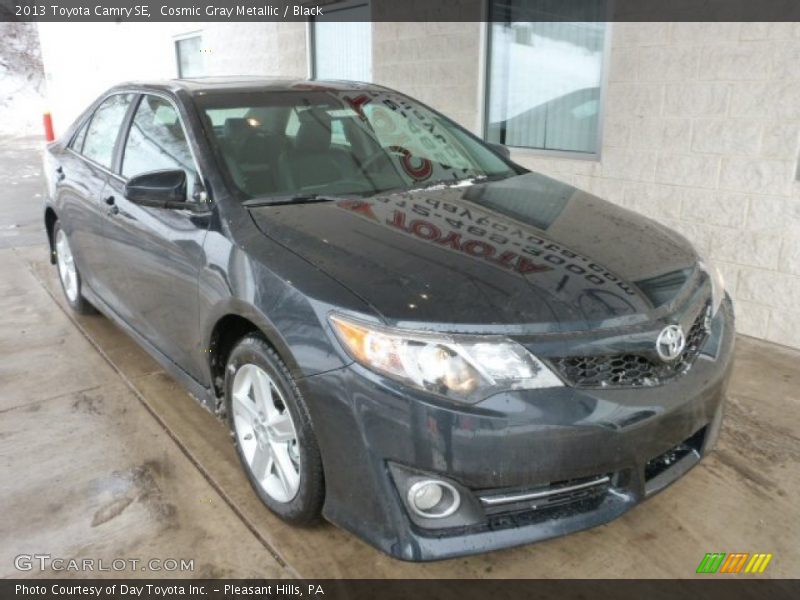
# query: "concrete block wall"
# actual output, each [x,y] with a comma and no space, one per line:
[434,62]
[701,131]
[277,49]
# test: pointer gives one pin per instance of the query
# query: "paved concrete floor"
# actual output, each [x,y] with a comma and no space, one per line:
[103,455]
[21,196]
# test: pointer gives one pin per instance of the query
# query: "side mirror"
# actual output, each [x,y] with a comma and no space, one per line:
[501,150]
[158,189]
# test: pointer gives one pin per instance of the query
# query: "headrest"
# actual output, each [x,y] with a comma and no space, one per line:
[236,129]
[314,134]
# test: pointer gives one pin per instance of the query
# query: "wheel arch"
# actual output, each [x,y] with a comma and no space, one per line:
[228,329]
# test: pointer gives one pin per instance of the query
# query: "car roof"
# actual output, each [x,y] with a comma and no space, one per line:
[202,85]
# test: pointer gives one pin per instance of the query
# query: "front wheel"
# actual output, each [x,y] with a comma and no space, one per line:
[272,432]
[68,274]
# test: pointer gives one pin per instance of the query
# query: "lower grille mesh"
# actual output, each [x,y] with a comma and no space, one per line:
[624,370]
[548,496]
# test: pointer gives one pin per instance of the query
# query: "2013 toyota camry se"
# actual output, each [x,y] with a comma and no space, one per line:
[407,333]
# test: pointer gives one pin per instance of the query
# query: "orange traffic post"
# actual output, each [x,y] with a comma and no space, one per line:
[49,135]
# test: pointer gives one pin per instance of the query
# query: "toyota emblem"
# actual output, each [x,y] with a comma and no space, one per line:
[670,342]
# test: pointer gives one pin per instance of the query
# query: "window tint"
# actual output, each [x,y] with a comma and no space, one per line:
[101,134]
[156,141]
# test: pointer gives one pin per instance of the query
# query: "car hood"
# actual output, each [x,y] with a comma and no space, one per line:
[527,251]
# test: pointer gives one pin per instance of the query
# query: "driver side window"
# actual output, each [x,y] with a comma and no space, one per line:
[156,141]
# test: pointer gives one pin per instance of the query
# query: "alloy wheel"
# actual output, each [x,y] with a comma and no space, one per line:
[66,266]
[266,433]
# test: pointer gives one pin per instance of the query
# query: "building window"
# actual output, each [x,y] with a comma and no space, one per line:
[188,52]
[342,43]
[544,78]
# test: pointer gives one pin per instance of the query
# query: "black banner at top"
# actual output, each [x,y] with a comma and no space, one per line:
[398,10]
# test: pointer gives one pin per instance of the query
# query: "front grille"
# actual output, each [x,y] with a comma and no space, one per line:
[631,370]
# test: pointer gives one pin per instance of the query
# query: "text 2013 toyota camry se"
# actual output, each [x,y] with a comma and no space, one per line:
[407,333]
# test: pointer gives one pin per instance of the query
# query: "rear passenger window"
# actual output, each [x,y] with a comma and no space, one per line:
[77,141]
[101,135]
[157,141]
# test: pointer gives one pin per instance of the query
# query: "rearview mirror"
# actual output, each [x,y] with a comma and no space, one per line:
[501,150]
[158,189]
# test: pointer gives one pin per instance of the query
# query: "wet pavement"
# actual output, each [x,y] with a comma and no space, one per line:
[22,191]
[85,469]
[104,456]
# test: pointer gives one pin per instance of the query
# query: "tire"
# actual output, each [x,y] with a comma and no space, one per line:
[259,432]
[68,274]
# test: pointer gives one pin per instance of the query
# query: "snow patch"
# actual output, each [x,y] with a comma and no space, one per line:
[21,80]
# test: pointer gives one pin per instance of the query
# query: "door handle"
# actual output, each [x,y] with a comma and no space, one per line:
[111,202]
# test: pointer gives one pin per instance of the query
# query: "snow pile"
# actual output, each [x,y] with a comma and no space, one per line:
[21,80]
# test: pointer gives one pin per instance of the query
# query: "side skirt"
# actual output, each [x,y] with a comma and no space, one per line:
[205,396]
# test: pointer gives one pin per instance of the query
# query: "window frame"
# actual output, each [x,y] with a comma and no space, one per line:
[176,45]
[311,39]
[524,151]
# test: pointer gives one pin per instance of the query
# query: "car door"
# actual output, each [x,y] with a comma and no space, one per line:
[81,177]
[156,252]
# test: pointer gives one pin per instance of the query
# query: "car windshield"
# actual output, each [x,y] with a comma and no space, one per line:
[320,141]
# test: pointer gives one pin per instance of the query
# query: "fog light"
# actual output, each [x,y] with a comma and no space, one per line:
[427,496]
[433,499]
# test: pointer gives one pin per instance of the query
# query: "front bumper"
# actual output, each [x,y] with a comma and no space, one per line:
[633,441]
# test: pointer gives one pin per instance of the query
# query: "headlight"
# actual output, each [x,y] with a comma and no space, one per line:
[717,284]
[464,368]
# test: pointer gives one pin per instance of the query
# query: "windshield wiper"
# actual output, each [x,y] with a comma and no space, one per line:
[488,178]
[448,183]
[289,199]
